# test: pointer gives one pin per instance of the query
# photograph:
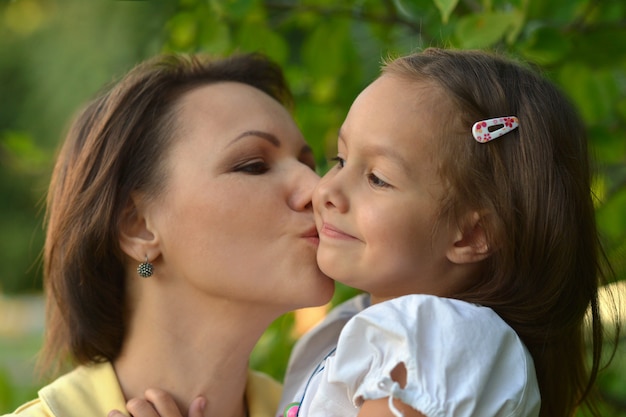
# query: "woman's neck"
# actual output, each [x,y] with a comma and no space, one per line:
[191,349]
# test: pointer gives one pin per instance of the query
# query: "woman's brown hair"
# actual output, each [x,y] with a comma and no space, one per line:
[533,189]
[115,147]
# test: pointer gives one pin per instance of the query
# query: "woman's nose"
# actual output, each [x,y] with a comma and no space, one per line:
[306,180]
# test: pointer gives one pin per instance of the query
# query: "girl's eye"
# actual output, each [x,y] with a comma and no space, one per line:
[253,168]
[340,161]
[377,182]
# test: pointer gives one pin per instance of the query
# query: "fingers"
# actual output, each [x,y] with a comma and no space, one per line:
[196,408]
[158,403]
[162,402]
[139,407]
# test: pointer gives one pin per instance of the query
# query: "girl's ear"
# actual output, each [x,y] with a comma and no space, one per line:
[470,241]
[137,240]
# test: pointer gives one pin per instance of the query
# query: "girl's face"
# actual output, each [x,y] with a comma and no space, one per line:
[235,220]
[377,209]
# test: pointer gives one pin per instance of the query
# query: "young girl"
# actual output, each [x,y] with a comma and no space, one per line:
[461,203]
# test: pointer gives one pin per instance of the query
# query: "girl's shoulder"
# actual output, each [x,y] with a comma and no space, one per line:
[421,311]
[409,328]
[443,344]
[416,324]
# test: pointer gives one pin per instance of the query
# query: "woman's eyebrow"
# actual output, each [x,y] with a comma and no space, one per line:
[306,149]
[258,133]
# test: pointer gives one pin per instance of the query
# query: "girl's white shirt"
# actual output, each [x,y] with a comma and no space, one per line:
[461,360]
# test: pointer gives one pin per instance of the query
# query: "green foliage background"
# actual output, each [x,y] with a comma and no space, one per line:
[55,54]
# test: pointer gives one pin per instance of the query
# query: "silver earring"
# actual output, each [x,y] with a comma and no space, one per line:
[145,269]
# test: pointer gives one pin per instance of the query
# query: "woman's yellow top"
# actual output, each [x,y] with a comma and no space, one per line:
[94,391]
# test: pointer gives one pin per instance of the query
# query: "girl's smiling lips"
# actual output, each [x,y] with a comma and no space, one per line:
[333,232]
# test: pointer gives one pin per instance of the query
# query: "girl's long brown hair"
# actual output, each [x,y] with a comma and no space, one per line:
[116,146]
[534,186]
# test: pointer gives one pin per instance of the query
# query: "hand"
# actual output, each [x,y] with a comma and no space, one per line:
[158,403]
[380,408]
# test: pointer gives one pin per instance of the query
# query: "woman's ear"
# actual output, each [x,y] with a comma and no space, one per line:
[471,243]
[137,240]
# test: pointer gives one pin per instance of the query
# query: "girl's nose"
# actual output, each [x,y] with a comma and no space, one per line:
[329,193]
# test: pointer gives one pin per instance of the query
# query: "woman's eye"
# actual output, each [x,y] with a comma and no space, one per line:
[377,182]
[340,162]
[253,168]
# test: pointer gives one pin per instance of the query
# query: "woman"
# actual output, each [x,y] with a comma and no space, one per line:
[194,170]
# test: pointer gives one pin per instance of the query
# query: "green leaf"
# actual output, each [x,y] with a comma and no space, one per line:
[446,7]
[324,49]
[590,90]
[215,37]
[518,19]
[604,46]
[620,108]
[484,30]
[183,30]
[6,390]
[609,146]
[545,46]
[561,12]
[238,9]
[610,216]
[22,153]
[255,36]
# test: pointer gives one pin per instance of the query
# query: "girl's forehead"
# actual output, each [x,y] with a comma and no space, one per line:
[395,117]
[393,102]
[411,96]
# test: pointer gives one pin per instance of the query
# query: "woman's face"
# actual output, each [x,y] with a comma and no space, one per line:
[235,220]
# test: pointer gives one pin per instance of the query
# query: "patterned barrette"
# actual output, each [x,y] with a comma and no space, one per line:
[490,129]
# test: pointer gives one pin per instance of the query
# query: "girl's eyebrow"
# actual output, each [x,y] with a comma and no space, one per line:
[258,133]
[385,151]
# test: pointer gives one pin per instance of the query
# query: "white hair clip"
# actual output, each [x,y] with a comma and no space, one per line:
[490,129]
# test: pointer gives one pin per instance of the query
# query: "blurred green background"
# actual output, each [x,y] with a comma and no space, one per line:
[55,54]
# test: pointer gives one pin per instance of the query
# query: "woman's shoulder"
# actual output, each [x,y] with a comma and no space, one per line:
[33,408]
[86,390]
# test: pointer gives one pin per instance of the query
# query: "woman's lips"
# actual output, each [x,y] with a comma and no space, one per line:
[312,235]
